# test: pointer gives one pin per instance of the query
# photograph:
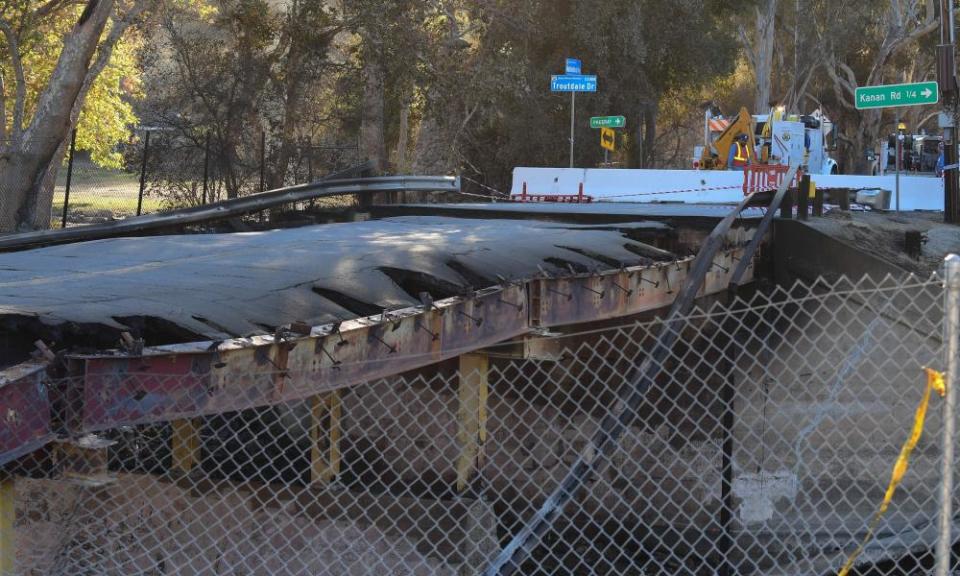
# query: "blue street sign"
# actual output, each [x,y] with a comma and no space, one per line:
[574,66]
[573,83]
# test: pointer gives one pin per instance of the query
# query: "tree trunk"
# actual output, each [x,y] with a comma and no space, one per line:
[288,145]
[403,138]
[24,167]
[766,20]
[432,155]
[642,150]
[865,137]
[650,135]
[371,128]
[759,51]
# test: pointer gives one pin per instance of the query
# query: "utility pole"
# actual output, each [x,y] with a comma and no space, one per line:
[946,75]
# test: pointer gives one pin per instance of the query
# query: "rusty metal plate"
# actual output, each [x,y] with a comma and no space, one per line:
[123,390]
[25,412]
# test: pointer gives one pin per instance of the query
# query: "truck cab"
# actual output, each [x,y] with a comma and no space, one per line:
[800,140]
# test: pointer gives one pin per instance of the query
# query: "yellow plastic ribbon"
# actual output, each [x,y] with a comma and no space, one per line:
[936,382]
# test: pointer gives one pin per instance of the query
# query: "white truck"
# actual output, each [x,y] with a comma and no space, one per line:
[777,139]
[802,140]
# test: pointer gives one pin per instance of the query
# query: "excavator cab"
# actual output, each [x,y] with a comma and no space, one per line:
[717,146]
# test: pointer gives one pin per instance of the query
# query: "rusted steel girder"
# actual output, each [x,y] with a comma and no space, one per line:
[181,381]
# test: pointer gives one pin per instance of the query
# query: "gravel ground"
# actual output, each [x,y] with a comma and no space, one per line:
[882,234]
[141,526]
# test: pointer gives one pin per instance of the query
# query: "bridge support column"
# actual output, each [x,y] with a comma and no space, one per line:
[185,444]
[8,541]
[325,436]
[472,415]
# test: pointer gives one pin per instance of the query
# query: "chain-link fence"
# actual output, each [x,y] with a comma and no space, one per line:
[171,168]
[764,446]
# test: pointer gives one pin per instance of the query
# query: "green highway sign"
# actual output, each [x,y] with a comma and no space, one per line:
[608,122]
[893,95]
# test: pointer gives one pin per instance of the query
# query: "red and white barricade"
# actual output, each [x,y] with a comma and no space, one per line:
[766,177]
[578,198]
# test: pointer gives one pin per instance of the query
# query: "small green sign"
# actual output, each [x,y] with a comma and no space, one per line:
[894,95]
[608,122]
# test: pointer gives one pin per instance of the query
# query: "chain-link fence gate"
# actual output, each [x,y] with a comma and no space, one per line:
[764,447]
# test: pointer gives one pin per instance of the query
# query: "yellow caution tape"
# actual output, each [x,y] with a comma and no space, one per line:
[936,382]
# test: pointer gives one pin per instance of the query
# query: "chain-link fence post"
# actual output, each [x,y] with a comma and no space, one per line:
[143,171]
[206,166]
[952,328]
[263,161]
[66,192]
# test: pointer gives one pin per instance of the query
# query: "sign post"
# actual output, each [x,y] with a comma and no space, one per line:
[899,160]
[573,116]
[608,141]
[573,81]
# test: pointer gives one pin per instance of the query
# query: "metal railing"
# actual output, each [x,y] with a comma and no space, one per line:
[226,209]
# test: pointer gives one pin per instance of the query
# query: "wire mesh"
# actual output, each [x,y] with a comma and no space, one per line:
[764,447]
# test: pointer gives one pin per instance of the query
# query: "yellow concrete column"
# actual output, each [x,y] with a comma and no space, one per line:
[185,444]
[8,541]
[325,437]
[472,415]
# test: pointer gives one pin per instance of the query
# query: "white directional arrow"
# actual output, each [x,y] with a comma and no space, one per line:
[926,93]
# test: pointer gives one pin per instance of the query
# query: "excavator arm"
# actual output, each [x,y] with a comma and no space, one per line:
[742,124]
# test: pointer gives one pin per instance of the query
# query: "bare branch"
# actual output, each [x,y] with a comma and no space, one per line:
[927,117]
[747,47]
[839,87]
[49,7]
[897,14]
[451,19]
[851,79]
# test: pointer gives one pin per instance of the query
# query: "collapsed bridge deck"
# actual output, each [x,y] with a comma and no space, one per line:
[403,293]
[198,287]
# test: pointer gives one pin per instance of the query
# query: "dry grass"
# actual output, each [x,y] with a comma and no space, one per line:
[100,193]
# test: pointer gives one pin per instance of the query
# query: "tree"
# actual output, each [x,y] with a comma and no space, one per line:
[31,155]
[251,67]
[758,48]
[500,107]
[865,44]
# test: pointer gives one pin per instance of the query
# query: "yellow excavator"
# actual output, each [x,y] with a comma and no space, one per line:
[716,152]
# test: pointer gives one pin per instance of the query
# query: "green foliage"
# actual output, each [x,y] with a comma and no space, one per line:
[107,112]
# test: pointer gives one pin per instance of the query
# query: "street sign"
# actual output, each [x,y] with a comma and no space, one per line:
[573,83]
[608,122]
[574,66]
[894,95]
[608,139]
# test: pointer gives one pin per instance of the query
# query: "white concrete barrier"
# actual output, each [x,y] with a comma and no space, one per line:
[699,186]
